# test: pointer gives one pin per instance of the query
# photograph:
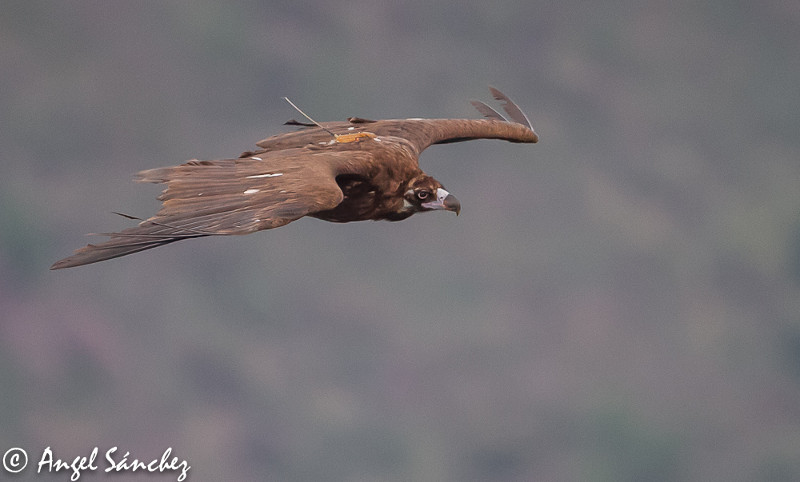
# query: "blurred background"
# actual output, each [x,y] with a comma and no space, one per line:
[620,302]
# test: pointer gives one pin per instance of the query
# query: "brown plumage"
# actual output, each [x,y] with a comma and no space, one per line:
[337,171]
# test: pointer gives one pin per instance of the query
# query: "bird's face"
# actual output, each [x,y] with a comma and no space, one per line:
[425,193]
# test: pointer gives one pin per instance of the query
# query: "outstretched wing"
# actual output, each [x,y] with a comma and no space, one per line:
[420,133]
[229,196]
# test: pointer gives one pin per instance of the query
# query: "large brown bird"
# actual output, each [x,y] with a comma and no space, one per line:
[354,170]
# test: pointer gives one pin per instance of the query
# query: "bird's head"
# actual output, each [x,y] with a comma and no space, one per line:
[425,193]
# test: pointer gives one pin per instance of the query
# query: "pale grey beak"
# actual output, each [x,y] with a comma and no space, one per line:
[444,200]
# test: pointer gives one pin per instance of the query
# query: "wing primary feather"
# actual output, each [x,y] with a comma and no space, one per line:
[149,236]
[140,240]
[487,111]
[192,231]
[113,248]
[511,108]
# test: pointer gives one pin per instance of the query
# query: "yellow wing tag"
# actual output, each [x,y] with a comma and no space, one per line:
[355,137]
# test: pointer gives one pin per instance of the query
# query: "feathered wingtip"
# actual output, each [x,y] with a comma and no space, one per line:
[147,235]
[514,112]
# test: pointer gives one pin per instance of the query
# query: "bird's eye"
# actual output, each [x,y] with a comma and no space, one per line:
[423,195]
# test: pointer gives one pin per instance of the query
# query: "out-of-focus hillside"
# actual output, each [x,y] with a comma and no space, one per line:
[619,302]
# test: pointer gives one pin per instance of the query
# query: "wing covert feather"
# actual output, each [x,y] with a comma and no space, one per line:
[240,196]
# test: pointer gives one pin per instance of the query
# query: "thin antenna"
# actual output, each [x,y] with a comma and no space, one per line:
[309,118]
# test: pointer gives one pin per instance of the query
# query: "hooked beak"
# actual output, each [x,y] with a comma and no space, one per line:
[444,200]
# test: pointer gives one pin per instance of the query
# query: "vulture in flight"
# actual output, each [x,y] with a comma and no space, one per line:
[354,170]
